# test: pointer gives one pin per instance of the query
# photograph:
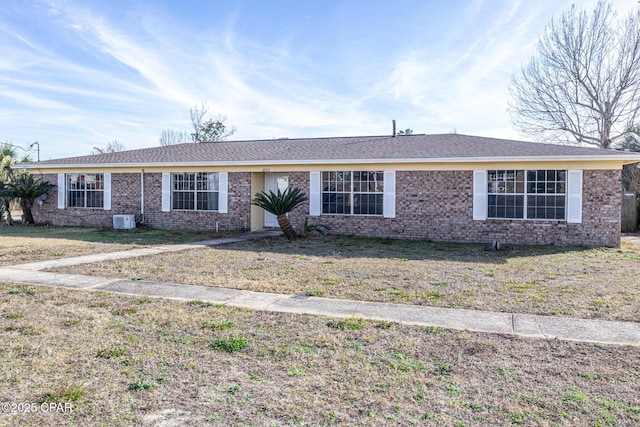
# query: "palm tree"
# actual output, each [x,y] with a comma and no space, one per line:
[26,189]
[7,156]
[280,205]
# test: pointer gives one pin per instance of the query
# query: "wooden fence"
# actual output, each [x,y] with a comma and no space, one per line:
[629,213]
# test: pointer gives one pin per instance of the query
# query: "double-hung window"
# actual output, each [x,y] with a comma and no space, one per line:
[85,190]
[527,194]
[195,191]
[353,193]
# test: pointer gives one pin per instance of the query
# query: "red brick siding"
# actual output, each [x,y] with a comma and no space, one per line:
[125,199]
[237,218]
[439,206]
[429,205]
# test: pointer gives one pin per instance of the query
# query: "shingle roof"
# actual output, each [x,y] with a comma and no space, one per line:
[441,147]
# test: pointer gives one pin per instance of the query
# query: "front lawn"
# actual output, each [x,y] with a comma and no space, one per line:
[22,244]
[600,283]
[104,359]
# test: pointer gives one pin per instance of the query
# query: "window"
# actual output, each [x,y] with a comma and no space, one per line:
[531,194]
[352,193]
[195,191]
[85,190]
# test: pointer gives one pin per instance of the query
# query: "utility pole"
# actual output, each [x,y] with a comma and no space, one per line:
[38,149]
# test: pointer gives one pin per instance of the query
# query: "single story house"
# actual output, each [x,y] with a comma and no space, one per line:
[446,187]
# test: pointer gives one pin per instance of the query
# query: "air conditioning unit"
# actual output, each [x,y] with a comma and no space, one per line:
[124,222]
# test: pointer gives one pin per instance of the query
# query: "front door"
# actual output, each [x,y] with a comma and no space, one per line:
[274,182]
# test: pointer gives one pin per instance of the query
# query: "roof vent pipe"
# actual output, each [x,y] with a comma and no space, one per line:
[394,128]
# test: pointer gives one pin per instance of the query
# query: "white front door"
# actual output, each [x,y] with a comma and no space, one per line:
[274,182]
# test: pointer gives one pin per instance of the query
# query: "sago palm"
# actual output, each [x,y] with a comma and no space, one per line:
[280,204]
[26,189]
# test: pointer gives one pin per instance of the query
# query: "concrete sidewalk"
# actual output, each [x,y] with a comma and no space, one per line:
[548,327]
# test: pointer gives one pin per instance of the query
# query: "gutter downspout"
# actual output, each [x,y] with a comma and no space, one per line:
[142,196]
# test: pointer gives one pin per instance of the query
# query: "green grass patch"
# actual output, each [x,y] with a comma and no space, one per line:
[444,369]
[217,325]
[202,304]
[230,344]
[111,352]
[143,385]
[348,324]
[64,393]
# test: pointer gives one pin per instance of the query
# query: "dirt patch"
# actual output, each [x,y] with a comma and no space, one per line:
[123,361]
[600,283]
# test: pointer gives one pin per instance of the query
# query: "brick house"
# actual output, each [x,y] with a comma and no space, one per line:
[446,187]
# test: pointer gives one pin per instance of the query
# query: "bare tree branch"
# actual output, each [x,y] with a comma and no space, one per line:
[112,147]
[211,130]
[582,86]
[172,137]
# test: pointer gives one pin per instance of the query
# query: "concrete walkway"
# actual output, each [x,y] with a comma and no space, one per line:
[548,327]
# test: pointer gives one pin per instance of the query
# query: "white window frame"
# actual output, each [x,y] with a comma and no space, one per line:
[167,193]
[349,190]
[524,191]
[573,197]
[196,180]
[388,203]
[64,189]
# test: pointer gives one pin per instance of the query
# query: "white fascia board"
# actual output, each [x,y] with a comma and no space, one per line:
[268,163]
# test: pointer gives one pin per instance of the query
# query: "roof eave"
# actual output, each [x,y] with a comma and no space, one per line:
[623,158]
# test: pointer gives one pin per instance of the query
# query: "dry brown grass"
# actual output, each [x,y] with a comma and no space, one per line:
[124,361]
[577,282]
[23,244]
[20,250]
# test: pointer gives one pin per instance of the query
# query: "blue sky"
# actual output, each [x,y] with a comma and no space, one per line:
[79,74]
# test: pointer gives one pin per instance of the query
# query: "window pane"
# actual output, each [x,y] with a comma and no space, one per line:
[183,200]
[208,201]
[506,182]
[207,181]
[367,204]
[546,207]
[336,203]
[95,199]
[506,206]
[75,199]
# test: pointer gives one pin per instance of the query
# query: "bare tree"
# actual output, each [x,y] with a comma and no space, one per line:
[197,120]
[112,147]
[582,86]
[211,130]
[172,137]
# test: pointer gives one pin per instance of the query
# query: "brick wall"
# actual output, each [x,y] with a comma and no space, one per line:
[237,218]
[439,206]
[125,199]
[429,205]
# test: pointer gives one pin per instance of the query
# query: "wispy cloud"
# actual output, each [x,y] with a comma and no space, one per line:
[77,75]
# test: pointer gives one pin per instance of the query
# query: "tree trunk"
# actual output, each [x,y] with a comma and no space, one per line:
[27,216]
[286,227]
[6,211]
